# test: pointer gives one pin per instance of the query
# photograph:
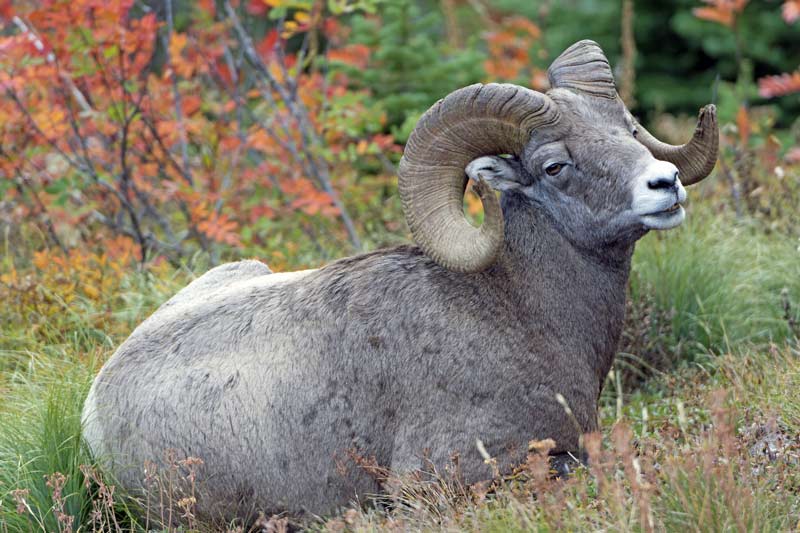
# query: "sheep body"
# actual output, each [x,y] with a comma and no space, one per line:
[277,381]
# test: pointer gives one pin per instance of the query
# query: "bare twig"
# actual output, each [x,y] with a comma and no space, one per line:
[176,95]
[735,192]
[48,221]
[30,31]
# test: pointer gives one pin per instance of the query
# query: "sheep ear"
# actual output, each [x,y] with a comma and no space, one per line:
[497,172]
[583,67]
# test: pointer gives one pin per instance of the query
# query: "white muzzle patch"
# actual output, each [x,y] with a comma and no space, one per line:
[658,195]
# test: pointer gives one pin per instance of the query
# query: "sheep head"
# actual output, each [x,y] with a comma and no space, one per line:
[579,154]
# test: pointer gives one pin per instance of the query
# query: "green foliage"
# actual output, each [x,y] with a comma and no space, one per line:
[410,66]
[679,56]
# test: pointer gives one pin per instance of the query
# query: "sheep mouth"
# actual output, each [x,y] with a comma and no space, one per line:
[665,219]
[671,210]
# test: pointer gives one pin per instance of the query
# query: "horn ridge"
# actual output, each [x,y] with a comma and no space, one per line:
[583,67]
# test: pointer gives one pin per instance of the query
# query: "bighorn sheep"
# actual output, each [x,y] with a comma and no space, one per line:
[410,354]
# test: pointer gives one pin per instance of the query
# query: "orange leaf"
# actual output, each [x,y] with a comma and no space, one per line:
[191,104]
[474,205]
[230,143]
[177,43]
[722,11]
[356,55]
[714,14]
[743,123]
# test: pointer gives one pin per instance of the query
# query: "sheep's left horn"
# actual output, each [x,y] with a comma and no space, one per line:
[695,159]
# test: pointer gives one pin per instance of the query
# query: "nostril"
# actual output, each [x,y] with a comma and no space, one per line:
[663,182]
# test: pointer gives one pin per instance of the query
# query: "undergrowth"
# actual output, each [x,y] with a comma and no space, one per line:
[714,285]
[710,441]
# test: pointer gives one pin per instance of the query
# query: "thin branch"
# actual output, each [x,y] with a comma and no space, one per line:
[30,31]
[240,134]
[735,192]
[53,144]
[176,96]
[48,220]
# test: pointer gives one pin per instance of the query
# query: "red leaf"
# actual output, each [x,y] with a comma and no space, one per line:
[257,7]
[772,86]
[266,47]
[791,11]
[6,9]
[356,55]
[191,104]
[208,6]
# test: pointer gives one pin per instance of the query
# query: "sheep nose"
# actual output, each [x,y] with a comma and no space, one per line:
[663,182]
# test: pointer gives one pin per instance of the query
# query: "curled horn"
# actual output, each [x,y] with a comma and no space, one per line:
[584,68]
[471,122]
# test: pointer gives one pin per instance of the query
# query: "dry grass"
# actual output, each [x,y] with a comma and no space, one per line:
[717,470]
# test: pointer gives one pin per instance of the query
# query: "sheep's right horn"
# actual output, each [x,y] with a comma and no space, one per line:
[696,159]
[471,122]
[584,68]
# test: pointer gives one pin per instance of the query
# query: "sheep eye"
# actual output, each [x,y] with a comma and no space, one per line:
[554,169]
[635,132]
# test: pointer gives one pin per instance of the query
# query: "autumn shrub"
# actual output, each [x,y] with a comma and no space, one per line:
[117,122]
[75,303]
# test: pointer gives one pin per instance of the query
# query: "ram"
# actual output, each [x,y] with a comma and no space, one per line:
[411,354]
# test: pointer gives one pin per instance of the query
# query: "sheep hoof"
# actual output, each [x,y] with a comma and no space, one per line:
[562,465]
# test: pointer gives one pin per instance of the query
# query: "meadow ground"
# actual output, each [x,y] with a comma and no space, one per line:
[700,417]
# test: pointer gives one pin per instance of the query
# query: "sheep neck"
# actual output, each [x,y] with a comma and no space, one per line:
[578,295]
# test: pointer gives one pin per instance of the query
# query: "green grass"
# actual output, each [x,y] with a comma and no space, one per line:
[47,363]
[40,434]
[714,306]
[712,286]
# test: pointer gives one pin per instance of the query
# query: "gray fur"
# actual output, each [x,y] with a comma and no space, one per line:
[278,382]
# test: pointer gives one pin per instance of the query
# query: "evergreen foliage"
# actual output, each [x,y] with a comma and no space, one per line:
[410,65]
